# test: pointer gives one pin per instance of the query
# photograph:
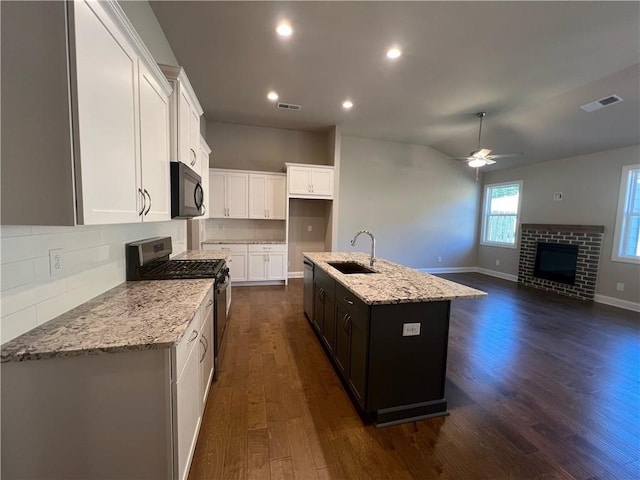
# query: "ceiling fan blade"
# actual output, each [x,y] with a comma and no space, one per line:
[505,155]
[489,161]
[482,153]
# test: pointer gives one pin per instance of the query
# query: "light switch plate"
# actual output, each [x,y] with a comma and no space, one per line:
[410,329]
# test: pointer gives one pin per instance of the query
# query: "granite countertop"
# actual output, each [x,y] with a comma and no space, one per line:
[132,316]
[242,242]
[203,255]
[393,283]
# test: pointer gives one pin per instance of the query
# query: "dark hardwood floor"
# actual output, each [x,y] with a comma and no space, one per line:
[539,387]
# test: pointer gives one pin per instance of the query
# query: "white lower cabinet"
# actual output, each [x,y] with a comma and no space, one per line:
[188,409]
[236,260]
[267,262]
[124,415]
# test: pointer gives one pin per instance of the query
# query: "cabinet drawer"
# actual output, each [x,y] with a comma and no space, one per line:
[230,247]
[353,305]
[268,248]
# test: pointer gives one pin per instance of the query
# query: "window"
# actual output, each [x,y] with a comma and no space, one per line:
[626,241]
[500,214]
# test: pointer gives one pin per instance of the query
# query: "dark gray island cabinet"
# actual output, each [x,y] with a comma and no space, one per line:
[386,334]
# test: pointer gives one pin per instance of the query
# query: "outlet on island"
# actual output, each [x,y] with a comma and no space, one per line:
[410,329]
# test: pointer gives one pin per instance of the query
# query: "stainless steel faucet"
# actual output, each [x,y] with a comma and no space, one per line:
[373,245]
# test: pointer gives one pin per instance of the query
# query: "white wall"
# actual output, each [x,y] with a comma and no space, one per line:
[93,258]
[590,184]
[419,205]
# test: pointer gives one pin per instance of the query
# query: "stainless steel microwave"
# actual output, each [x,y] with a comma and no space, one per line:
[187,195]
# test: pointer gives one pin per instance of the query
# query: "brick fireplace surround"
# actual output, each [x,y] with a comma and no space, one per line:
[589,241]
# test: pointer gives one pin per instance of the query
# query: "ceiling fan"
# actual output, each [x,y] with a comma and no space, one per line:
[482,156]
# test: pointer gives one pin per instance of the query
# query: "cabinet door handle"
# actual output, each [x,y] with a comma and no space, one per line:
[204,209]
[350,302]
[193,162]
[209,303]
[149,207]
[345,319]
[321,294]
[268,213]
[144,201]
[194,335]
[205,349]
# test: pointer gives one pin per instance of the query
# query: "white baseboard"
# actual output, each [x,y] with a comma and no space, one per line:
[448,270]
[616,302]
[495,273]
[296,274]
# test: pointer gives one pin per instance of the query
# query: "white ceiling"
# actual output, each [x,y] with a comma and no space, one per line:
[529,65]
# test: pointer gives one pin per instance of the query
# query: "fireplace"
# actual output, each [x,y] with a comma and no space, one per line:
[558,269]
[557,262]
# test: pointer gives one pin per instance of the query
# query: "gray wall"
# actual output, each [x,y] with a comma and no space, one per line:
[245,147]
[146,24]
[419,205]
[590,184]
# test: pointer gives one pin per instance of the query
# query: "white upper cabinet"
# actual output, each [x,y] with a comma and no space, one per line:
[107,93]
[185,118]
[267,196]
[310,181]
[228,194]
[154,148]
[98,103]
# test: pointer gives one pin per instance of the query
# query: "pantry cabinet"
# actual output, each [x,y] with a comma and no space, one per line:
[185,113]
[310,181]
[267,196]
[81,78]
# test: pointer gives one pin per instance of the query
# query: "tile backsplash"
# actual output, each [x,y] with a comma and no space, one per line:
[93,262]
[245,229]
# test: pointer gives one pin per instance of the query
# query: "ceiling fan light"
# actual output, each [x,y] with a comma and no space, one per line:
[477,162]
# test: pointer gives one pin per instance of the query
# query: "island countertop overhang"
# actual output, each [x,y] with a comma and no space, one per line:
[391,283]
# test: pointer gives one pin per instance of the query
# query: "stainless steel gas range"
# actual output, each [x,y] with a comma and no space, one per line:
[148,259]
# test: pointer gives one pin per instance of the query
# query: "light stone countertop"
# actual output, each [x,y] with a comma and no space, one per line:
[203,255]
[132,316]
[393,283]
[242,242]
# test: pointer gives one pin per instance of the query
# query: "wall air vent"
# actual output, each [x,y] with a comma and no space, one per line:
[288,106]
[603,102]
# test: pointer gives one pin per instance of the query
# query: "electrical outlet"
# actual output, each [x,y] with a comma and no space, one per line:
[620,287]
[56,265]
[439,259]
[497,262]
[557,196]
[410,329]
[309,228]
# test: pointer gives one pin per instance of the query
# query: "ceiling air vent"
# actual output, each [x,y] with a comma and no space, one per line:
[603,102]
[288,106]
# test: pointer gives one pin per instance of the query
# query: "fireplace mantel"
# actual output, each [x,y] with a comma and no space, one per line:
[563,228]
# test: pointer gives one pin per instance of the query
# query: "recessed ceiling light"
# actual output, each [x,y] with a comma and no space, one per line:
[273,96]
[284,29]
[393,53]
[347,104]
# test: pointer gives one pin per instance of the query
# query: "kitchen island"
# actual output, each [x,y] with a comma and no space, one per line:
[386,333]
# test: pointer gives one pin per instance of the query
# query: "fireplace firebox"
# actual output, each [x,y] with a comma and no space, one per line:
[556,262]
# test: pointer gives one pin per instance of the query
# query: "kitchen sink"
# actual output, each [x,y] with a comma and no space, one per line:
[350,267]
